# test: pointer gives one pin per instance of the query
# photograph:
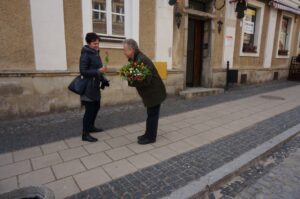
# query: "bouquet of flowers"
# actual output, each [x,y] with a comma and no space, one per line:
[135,71]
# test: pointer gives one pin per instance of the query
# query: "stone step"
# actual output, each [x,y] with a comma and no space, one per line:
[196,92]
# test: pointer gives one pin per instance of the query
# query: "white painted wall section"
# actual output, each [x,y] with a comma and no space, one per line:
[164,32]
[270,38]
[132,19]
[47,17]
[229,34]
[87,22]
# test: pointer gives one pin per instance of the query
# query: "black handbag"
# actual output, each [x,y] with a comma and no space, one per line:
[78,85]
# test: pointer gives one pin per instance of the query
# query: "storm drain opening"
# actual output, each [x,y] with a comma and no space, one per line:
[270,97]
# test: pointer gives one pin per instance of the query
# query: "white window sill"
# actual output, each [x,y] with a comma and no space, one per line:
[282,57]
[109,45]
[249,54]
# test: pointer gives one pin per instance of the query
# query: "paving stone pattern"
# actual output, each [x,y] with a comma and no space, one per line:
[23,133]
[277,177]
[163,178]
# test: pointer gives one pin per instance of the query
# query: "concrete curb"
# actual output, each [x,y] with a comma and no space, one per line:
[199,187]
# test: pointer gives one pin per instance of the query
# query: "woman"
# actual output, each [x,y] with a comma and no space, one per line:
[91,68]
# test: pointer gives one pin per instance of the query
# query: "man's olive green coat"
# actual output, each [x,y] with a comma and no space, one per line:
[152,90]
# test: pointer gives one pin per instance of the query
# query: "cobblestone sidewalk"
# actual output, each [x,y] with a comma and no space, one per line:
[282,182]
[277,177]
[190,144]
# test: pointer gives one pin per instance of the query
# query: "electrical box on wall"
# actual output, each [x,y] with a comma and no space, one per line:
[161,68]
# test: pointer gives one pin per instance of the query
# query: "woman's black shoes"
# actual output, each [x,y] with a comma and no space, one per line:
[98,130]
[87,137]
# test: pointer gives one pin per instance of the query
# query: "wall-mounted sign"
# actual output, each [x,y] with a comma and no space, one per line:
[250,12]
[228,41]
[249,27]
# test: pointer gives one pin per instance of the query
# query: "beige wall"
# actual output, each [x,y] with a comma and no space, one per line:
[16,52]
[179,41]
[117,58]
[217,41]
[31,94]
[73,32]
[254,76]
[147,27]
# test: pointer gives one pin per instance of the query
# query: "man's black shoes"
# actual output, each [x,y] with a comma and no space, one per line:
[96,130]
[145,140]
[141,137]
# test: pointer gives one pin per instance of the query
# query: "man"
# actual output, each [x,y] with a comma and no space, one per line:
[152,91]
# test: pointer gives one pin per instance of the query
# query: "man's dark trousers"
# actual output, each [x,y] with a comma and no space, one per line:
[152,122]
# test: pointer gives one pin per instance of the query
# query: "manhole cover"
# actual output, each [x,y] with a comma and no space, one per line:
[272,97]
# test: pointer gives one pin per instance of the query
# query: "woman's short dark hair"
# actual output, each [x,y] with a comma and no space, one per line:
[91,37]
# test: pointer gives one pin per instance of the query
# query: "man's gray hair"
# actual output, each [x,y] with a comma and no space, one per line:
[131,44]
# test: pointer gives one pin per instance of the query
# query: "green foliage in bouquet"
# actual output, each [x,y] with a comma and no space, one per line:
[106,59]
[134,71]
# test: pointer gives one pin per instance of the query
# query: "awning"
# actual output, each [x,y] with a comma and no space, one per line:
[287,5]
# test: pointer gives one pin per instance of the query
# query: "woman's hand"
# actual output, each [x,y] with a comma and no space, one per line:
[103,70]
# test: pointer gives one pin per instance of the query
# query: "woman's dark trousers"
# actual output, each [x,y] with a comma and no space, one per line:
[91,111]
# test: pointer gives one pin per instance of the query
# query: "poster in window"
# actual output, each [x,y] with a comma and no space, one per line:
[249,27]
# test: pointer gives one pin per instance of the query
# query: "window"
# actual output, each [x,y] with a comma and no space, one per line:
[198,5]
[251,29]
[99,16]
[284,36]
[112,20]
[249,44]
[109,17]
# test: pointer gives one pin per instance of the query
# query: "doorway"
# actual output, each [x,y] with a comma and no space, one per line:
[195,53]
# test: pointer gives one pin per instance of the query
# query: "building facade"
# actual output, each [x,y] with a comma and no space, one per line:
[258,47]
[41,42]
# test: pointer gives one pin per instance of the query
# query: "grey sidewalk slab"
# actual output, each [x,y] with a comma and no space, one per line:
[162,179]
[24,133]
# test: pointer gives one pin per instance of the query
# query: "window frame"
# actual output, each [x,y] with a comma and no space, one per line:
[260,9]
[132,19]
[298,46]
[290,34]
[109,22]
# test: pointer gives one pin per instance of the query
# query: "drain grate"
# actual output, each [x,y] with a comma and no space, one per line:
[272,97]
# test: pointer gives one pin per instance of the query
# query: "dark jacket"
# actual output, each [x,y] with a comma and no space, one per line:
[90,63]
[298,58]
[152,90]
